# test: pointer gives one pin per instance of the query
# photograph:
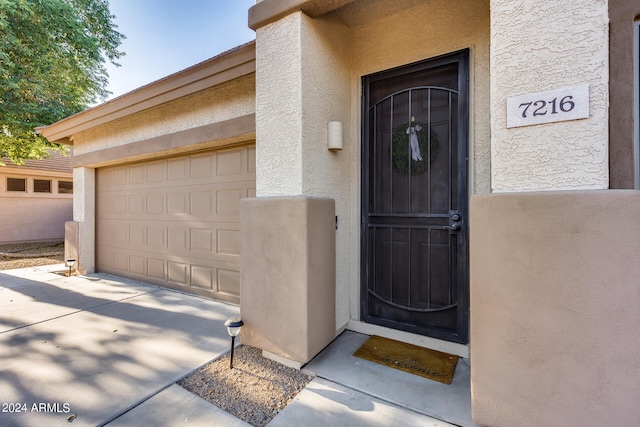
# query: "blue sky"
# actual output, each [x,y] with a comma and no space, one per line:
[166,36]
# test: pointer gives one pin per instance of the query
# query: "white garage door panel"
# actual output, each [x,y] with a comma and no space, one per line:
[175,222]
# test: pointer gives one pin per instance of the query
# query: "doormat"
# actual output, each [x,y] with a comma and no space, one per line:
[432,364]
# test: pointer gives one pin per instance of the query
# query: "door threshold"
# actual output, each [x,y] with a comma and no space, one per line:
[461,350]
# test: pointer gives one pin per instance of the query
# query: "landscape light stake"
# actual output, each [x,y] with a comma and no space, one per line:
[233,328]
[70,263]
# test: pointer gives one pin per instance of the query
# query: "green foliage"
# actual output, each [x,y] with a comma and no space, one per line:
[52,65]
[401,152]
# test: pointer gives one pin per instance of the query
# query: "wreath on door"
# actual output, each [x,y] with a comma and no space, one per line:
[410,146]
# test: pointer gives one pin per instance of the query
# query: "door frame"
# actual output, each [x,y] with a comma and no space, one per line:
[462,58]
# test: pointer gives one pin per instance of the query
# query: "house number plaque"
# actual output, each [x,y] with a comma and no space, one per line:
[569,103]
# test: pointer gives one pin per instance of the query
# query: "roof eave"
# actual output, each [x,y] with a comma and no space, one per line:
[222,68]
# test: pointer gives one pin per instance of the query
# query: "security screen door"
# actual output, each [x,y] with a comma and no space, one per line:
[414,198]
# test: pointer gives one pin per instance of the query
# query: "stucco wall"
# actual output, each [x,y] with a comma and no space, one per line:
[325,59]
[541,46]
[554,315]
[302,84]
[31,216]
[33,219]
[223,102]
[279,108]
[288,275]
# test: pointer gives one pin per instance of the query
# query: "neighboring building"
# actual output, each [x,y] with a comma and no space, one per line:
[36,199]
[484,202]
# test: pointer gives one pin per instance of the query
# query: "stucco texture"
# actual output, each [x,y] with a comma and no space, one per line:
[288,275]
[538,46]
[222,102]
[302,84]
[554,328]
[33,219]
[30,216]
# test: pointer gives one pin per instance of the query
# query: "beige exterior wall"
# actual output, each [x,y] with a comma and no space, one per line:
[31,216]
[539,48]
[224,102]
[554,319]
[299,91]
[288,275]
[309,72]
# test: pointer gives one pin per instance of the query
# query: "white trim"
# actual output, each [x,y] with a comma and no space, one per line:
[636,103]
[461,350]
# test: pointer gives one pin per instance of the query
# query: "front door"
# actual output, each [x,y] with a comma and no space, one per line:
[414,198]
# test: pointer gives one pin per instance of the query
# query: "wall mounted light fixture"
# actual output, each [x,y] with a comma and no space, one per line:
[334,135]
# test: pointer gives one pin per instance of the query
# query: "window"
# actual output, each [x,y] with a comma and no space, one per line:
[42,186]
[17,184]
[65,187]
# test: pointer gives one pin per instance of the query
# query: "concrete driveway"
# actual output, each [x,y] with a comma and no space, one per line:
[81,351]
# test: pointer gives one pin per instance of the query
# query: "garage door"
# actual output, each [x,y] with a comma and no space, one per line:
[175,222]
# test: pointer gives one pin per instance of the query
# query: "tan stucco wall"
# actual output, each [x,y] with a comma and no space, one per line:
[223,102]
[542,46]
[33,216]
[288,275]
[302,85]
[554,315]
[308,72]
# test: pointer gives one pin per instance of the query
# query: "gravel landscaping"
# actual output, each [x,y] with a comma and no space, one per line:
[255,390]
[21,255]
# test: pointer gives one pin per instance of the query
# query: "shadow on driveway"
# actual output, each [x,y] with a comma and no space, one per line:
[95,348]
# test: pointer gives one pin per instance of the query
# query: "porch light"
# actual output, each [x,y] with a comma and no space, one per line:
[233,328]
[70,263]
[334,136]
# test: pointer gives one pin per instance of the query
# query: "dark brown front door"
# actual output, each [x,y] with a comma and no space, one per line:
[414,198]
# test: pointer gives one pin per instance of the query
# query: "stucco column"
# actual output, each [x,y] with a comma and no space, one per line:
[279,108]
[288,276]
[538,47]
[84,209]
[303,81]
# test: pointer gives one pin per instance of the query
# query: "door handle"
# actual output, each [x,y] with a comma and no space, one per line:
[455,220]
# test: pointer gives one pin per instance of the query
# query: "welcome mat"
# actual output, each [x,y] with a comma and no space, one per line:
[431,364]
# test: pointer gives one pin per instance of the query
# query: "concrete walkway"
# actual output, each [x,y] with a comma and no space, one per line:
[100,350]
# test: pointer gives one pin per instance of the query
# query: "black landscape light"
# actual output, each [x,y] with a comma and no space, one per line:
[233,328]
[70,263]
